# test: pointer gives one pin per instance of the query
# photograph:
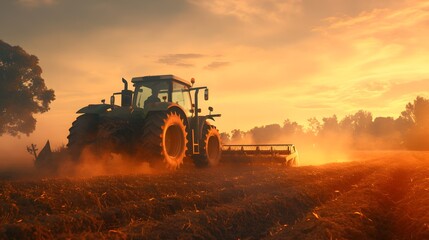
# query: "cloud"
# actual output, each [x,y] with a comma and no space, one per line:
[180,60]
[417,87]
[380,22]
[216,65]
[36,3]
[375,59]
[81,17]
[253,10]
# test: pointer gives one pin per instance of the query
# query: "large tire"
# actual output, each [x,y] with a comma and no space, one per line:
[114,136]
[164,139]
[210,147]
[83,133]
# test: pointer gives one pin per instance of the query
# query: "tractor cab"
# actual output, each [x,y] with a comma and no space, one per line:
[152,92]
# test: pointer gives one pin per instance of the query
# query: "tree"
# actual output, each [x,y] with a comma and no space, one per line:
[237,136]
[358,123]
[265,134]
[23,92]
[383,126]
[362,122]
[291,128]
[386,134]
[314,126]
[417,113]
[330,125]
[416,118]
[225,138]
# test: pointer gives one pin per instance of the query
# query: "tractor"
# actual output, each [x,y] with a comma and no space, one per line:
[159,122]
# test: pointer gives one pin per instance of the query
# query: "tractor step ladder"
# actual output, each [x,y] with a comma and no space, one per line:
[195,146]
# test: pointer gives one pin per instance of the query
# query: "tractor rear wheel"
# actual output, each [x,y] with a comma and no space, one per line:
[83,132]
[210,147]
[164,139]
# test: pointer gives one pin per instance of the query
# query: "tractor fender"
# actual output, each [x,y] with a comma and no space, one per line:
[95,108]
[164,106]
[209,117]
[157,107]
[201,122]
[161,106]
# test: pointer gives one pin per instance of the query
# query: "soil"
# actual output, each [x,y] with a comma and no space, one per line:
[380,195]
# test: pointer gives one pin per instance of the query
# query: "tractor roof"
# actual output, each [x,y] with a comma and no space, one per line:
[159,78]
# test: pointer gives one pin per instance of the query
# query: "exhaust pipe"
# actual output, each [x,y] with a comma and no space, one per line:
[125,84]
[127,95]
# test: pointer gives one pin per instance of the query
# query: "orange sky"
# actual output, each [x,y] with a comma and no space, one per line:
[264,61]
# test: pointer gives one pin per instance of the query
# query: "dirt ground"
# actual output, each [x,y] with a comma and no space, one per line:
[380,195]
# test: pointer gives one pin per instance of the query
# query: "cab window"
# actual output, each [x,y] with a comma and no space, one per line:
[150,93]
[181,96]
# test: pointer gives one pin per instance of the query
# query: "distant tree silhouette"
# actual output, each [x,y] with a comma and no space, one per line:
[331,136]
[355,131]
[237,136]
[291,128]
[386,133]
[22,90]
[358,123]
[330,125]
[417,112]
[416,118]
[362,122]
[314,126]
[265,134]
[383,126]
[225,138]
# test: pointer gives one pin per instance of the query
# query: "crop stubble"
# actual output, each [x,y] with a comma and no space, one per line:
[364,199]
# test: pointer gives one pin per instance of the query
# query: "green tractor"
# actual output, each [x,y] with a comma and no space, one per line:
[159,122]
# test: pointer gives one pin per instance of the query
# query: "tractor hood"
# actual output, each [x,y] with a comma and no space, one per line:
[95,108]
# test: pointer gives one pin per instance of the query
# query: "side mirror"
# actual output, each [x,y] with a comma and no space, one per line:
[112,100]
[206,94]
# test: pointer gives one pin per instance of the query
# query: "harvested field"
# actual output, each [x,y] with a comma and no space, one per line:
[380,196]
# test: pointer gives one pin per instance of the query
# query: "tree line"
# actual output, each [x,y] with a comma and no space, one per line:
[410,130]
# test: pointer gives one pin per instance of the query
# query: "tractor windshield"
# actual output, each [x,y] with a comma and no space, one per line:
[151,92]
[181,96]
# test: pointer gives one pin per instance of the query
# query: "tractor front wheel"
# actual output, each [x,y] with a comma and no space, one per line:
[210,147]
[164,139]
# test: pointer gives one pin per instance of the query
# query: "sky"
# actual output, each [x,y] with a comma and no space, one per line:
[264,61]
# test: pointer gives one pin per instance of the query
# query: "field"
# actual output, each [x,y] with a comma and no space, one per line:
[382,195]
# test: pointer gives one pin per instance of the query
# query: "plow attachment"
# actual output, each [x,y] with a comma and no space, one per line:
[279,153]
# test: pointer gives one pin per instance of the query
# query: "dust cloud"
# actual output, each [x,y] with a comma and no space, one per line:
[325,146]
[15,162]
[91,165]
[333,148]
[88,165]
[334,140]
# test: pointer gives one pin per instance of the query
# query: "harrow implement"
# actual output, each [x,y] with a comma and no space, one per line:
[281,153]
